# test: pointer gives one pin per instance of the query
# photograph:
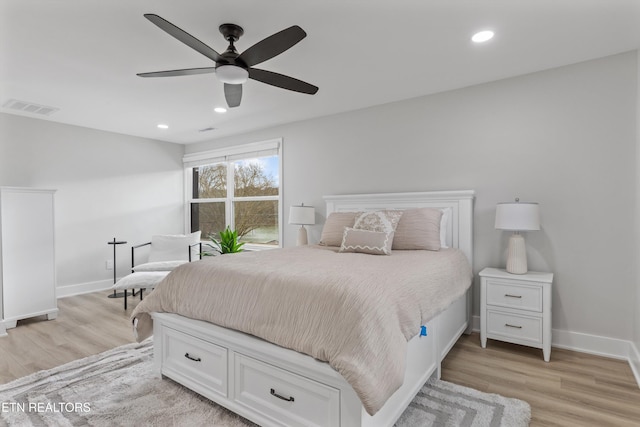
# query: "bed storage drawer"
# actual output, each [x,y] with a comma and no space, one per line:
[199,362]
[519,329]
[284,397]
[522,297]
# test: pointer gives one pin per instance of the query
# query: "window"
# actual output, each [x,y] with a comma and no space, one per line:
[239,187]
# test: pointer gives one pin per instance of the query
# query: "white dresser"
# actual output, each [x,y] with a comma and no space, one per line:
[27,263]
[516,308]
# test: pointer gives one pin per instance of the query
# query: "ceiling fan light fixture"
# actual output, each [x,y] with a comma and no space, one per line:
[232,74]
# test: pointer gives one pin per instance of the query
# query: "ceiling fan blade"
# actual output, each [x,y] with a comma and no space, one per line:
[183,36]
[184,72]
[282,81]
[272,46]
[233,94]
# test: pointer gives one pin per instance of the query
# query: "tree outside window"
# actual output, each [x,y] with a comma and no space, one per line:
[243,194]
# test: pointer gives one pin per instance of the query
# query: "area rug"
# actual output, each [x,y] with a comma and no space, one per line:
[118,388]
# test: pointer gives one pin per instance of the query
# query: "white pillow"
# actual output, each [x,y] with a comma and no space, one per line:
[444,226]
[380,221]
[145,280]
[172,247]
[159,266]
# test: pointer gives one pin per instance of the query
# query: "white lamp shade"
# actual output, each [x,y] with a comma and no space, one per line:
[518,216]
[302,215]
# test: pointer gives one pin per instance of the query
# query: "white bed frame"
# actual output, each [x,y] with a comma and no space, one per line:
[274,386]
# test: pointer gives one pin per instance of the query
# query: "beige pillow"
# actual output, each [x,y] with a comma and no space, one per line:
[384,221]
[367,242]
[418,229]
[334,227]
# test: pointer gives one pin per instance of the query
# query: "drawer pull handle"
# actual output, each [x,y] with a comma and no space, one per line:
[512,296]
[195,359]
[288,399]
[512,326]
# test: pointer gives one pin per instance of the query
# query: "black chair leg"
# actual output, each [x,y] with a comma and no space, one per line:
[125,299]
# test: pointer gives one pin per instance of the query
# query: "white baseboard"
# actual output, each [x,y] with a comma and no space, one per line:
[83,288]
[475,320]
[592,344]
[634,361]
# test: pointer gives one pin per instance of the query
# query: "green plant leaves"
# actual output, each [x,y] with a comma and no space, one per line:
[228,243]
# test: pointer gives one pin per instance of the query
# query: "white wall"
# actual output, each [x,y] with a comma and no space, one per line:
[109,185]
[565,138]
[634,351]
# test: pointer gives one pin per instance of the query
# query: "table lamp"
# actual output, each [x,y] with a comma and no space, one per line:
[517,216]
[302,215]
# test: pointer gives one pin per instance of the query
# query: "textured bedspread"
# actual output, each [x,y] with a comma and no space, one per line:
[354,311]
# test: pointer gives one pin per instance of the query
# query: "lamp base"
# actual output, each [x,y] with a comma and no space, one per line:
[517,257]
[302,236]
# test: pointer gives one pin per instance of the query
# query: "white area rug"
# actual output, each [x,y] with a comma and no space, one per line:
[118,388]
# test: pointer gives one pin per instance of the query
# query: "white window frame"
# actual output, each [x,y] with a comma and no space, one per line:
[229,155]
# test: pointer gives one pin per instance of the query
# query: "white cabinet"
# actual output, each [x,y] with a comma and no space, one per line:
[516,308]
[27,264]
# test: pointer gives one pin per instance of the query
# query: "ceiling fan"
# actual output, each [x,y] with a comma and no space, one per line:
[233,68]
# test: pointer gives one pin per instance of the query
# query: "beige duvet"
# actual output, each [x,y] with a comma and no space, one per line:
[354,311]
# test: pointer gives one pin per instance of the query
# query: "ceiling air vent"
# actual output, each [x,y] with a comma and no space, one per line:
[29,107]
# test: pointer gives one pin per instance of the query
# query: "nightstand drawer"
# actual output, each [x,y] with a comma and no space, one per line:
[514,328]
[519,296]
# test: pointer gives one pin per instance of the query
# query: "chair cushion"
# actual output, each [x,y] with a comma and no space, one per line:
[173,247]
[159,266]
[147,279]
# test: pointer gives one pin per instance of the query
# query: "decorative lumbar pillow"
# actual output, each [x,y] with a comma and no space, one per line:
[143,280]
[382,221]
[172,247]
[334,227]
[365,241]
[418,229]
[159,266]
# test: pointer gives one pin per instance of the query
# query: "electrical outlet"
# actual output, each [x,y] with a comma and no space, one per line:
[109,264]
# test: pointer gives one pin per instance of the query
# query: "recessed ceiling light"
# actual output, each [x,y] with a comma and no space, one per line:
[163,126]
[220,110]
[482,36]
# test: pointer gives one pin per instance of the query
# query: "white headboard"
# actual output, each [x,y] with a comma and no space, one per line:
[460,228]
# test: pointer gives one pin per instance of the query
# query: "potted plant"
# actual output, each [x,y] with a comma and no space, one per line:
[227,244]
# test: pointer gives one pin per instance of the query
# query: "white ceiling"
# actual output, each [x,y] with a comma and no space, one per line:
[82,56]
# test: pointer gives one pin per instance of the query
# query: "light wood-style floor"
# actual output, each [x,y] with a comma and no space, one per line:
[573,389]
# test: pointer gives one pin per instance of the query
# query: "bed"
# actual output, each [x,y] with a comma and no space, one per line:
[275,385]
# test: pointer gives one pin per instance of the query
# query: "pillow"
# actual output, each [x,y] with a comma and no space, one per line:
[334,227]
[159,266]
[383,221]
[148,279]
[367,242]
[419,229]
[172,247]
[444,226]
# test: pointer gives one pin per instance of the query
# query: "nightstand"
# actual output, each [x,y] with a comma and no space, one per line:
[516,308]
